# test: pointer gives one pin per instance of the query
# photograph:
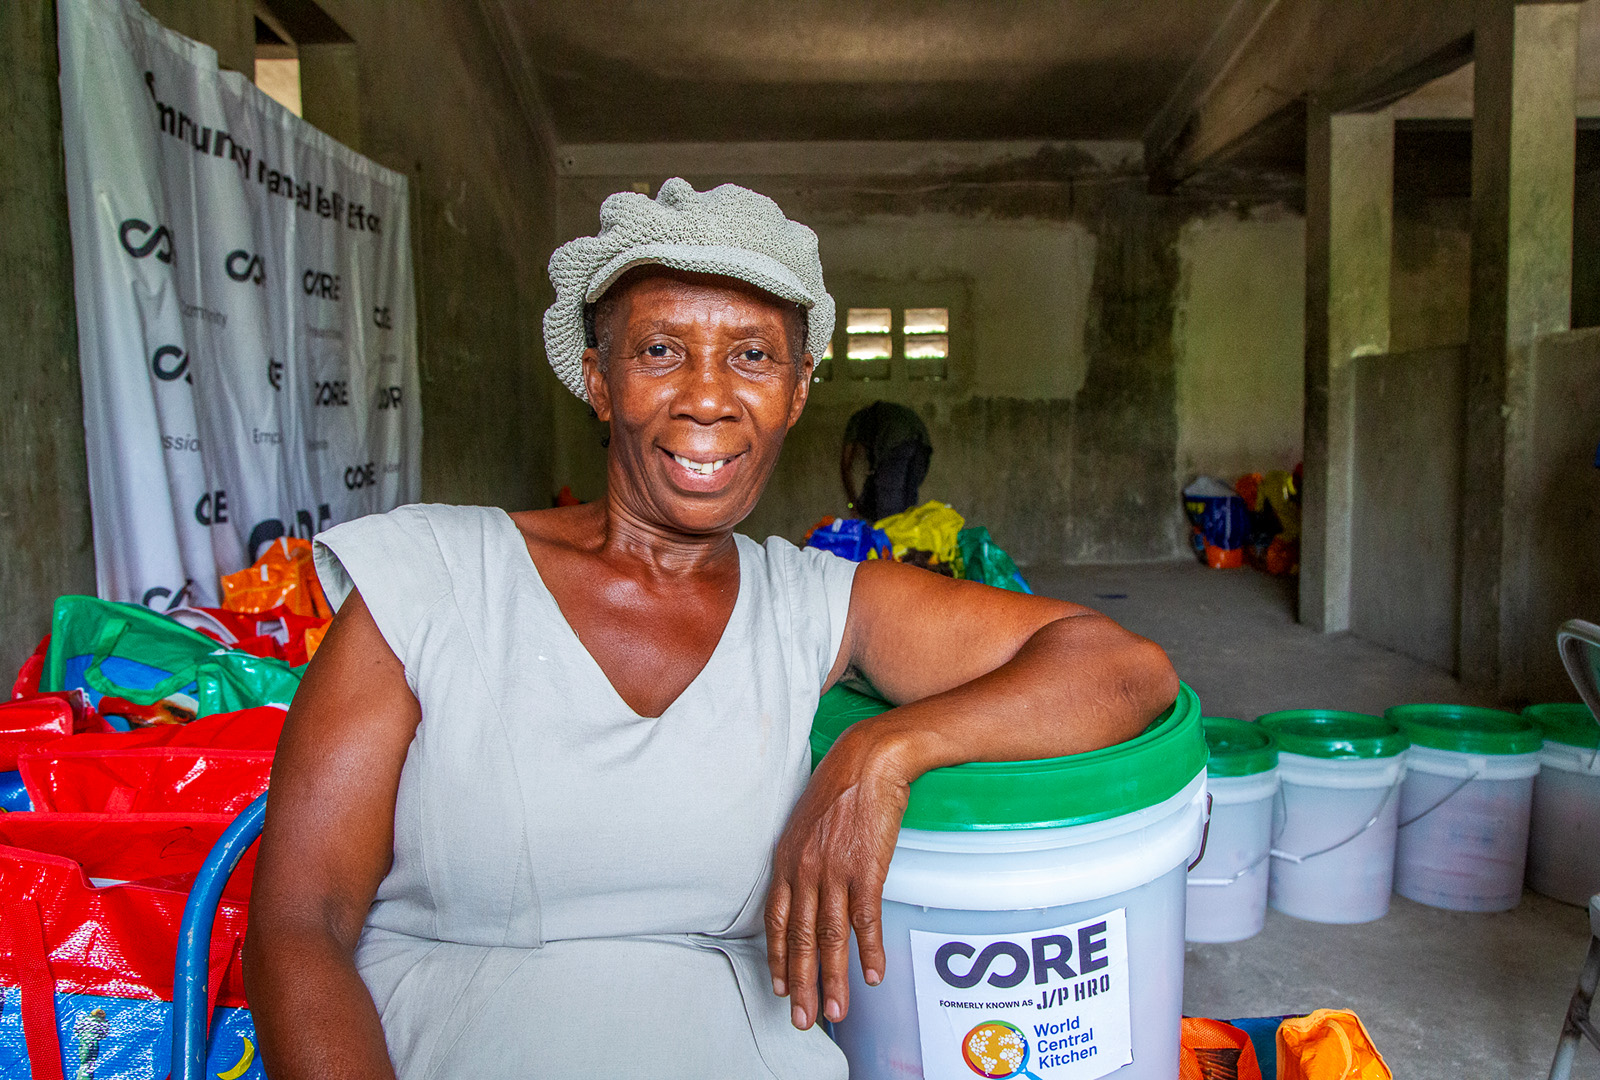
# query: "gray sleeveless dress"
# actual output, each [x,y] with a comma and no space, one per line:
[577,891]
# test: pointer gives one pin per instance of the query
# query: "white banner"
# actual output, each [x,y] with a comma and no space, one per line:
[246,317]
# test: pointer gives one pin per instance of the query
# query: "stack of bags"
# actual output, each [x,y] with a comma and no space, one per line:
[932,536]
[130,742]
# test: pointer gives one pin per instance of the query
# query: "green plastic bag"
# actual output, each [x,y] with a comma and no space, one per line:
[131,652]
[123,650]
[984,560]
[233,680]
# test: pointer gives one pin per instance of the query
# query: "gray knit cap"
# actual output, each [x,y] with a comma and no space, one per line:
[728,230]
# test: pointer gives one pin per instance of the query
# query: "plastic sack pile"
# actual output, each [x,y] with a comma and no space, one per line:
[1329,1044]
[932,536]
[130,742]
[1255,520]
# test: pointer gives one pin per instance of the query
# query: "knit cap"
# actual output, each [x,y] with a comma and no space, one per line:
[729,230]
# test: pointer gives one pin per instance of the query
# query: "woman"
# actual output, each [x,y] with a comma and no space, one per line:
[528,813]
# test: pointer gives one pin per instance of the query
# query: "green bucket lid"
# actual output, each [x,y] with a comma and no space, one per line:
[1466,729]
[1238,748]
[1043,794]
[1328,733]
[1567,722]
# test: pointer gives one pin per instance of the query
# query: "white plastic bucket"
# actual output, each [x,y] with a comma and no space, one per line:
[1057,949]
[1564,828]
[1334,837]
[1227,889]
[1465,806]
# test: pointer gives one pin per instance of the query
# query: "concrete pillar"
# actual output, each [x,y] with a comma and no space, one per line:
[330,90]
[1349,224]
[46,548]
[1523,146]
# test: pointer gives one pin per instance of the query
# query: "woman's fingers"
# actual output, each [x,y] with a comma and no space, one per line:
[778,935]
[833,950]
[802,948]
[866,919]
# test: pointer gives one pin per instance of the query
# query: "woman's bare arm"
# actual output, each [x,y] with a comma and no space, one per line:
[979,674]
[327,845]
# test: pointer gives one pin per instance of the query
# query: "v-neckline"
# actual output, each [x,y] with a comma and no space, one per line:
[716,651]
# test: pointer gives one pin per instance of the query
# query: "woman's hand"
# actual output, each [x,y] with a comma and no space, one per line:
[828,873]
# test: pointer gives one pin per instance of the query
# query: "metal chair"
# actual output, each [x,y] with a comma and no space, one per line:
[190,1013]
[1579,645]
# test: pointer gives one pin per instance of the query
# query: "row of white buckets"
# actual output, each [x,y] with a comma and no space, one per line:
[1445,805]
[1033,913]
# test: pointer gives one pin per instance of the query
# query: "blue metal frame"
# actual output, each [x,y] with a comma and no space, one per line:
[189,980]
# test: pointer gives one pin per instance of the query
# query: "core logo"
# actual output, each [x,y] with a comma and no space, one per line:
[265,532]
[159,593]
[275,372]
[388,397]
[382,318]
[170,363]
[140,238]
[360,476]
[333,392]
[1037,957]
[212,509]
[241,265]
[320,283]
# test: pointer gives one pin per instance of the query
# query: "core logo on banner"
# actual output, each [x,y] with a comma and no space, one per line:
[1042,1005]
[217,239]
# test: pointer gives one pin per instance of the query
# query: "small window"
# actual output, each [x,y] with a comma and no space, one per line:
[869,342]
[277,65]
[823,372]
[927,343]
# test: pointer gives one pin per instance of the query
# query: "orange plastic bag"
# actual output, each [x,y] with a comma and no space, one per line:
[283,577]
[1215,1050]
[1330,1044]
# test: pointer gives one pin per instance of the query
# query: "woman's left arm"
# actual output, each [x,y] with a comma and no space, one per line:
[978,674]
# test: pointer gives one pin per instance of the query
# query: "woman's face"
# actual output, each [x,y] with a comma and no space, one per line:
[700,385]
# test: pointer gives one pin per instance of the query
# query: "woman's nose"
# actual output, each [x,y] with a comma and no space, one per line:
[705,393]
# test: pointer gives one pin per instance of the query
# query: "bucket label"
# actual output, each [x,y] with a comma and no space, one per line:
[1037,1005]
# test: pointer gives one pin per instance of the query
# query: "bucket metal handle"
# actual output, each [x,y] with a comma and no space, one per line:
[1373,820]
[1448,796]
[1205,834]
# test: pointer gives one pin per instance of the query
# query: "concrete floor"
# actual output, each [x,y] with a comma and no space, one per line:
[1446,996]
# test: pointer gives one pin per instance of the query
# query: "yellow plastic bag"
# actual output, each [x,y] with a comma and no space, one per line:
[1330,1044]
[284,576]
[933,526]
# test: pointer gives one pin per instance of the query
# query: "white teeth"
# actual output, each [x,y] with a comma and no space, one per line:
[704,468]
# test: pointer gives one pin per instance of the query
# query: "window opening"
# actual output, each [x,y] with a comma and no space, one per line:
[277,65]
[927,343]
[869,342]
[823,371]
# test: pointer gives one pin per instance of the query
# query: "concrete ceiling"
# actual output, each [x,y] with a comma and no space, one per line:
[730,70]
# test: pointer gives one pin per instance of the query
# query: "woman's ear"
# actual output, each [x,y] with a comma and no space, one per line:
[802,389]
[594,381]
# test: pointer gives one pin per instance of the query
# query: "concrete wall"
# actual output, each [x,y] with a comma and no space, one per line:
[433,104]
[1429,272]
[1405,570]
[1552,536]
[1239,344]
[45,546]
[1059,425]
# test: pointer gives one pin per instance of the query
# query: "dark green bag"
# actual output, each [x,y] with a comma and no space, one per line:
[131,652]
[984,560]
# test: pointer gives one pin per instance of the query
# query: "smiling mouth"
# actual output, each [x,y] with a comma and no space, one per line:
[703,468]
